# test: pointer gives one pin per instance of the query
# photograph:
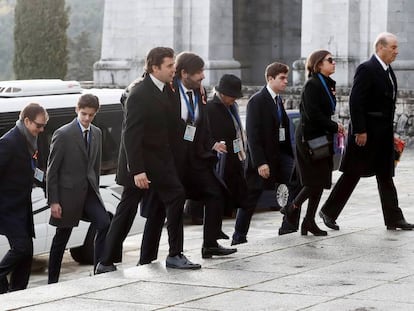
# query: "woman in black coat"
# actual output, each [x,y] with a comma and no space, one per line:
[316,109]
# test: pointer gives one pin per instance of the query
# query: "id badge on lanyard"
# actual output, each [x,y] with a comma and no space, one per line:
[282,134]
[237,145]
[189,133]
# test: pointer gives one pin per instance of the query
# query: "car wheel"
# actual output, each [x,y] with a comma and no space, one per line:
[282,195]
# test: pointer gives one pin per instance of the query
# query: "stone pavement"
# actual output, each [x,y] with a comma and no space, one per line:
[361,267]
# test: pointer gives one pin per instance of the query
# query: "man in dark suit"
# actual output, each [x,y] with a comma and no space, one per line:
[195,149]
[18,171]
[149,163]
[72,182]
[269,153]
[370,146]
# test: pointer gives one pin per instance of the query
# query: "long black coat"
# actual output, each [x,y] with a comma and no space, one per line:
[372,106]
[145,145]
[16,182]
[315,121]
[262,128]
[223,129]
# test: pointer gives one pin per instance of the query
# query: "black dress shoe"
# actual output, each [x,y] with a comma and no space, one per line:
[181,262]
[328,221]
[208,252]
[283,231]
[223,236]
[101,268]
[401,224]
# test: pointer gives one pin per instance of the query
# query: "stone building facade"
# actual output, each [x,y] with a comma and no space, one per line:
[243,36]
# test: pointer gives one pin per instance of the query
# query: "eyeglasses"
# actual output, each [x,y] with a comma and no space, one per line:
[329,60]
[38,125]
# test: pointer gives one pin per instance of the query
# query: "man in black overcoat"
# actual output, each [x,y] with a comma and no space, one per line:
[370,145]
[18,171]
[269,154]
[149,162]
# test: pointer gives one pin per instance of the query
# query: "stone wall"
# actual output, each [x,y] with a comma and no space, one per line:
[404,113]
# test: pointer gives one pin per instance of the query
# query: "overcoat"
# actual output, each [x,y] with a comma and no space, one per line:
[16,183]
[146,146]
[315,121]
[69,186]
[262,128]
[372,107]
[223,129]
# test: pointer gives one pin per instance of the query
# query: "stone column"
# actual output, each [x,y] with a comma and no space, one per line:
[346,28]
[210,34]
[133,27]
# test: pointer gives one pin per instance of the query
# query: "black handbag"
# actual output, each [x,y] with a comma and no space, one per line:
[319,148]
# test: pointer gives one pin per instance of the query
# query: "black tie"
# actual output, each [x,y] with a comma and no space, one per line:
[392,82]
[85,138]
[190,99]
[278,101]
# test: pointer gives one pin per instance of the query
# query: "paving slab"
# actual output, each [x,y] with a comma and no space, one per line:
[361,267]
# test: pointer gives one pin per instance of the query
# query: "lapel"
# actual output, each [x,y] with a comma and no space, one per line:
[270,104]
[93,144]
[388,87]
[77,135]
[159,96]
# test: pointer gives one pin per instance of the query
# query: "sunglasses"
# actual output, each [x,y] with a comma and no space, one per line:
[38,125]
[329,60]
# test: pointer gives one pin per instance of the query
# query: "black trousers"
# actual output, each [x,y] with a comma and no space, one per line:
[208,189]
[255,189]
[121,224]
[346,185]
[165,201]
[18,263]
[96,213]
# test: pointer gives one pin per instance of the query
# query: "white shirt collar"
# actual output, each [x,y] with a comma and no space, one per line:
[83,129]
[272,93]
[159,84]
[384,65]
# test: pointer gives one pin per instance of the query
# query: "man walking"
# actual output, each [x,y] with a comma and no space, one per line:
[18,171]
[72,182]
[370,146]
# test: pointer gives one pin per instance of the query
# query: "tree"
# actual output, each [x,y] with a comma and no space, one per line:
[40,39]
[82,58]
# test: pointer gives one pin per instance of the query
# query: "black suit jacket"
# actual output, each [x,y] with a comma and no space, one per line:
[262,128]
[199,153]
[16,182]
[372,106]
[196,156]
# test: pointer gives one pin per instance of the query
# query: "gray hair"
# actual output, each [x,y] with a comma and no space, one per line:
[383,39]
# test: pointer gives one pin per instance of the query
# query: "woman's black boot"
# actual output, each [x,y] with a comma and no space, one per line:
[310,226]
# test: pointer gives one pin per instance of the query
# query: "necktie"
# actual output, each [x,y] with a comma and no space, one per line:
[85,138]
[278,101]
[392,82]
[191,101]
